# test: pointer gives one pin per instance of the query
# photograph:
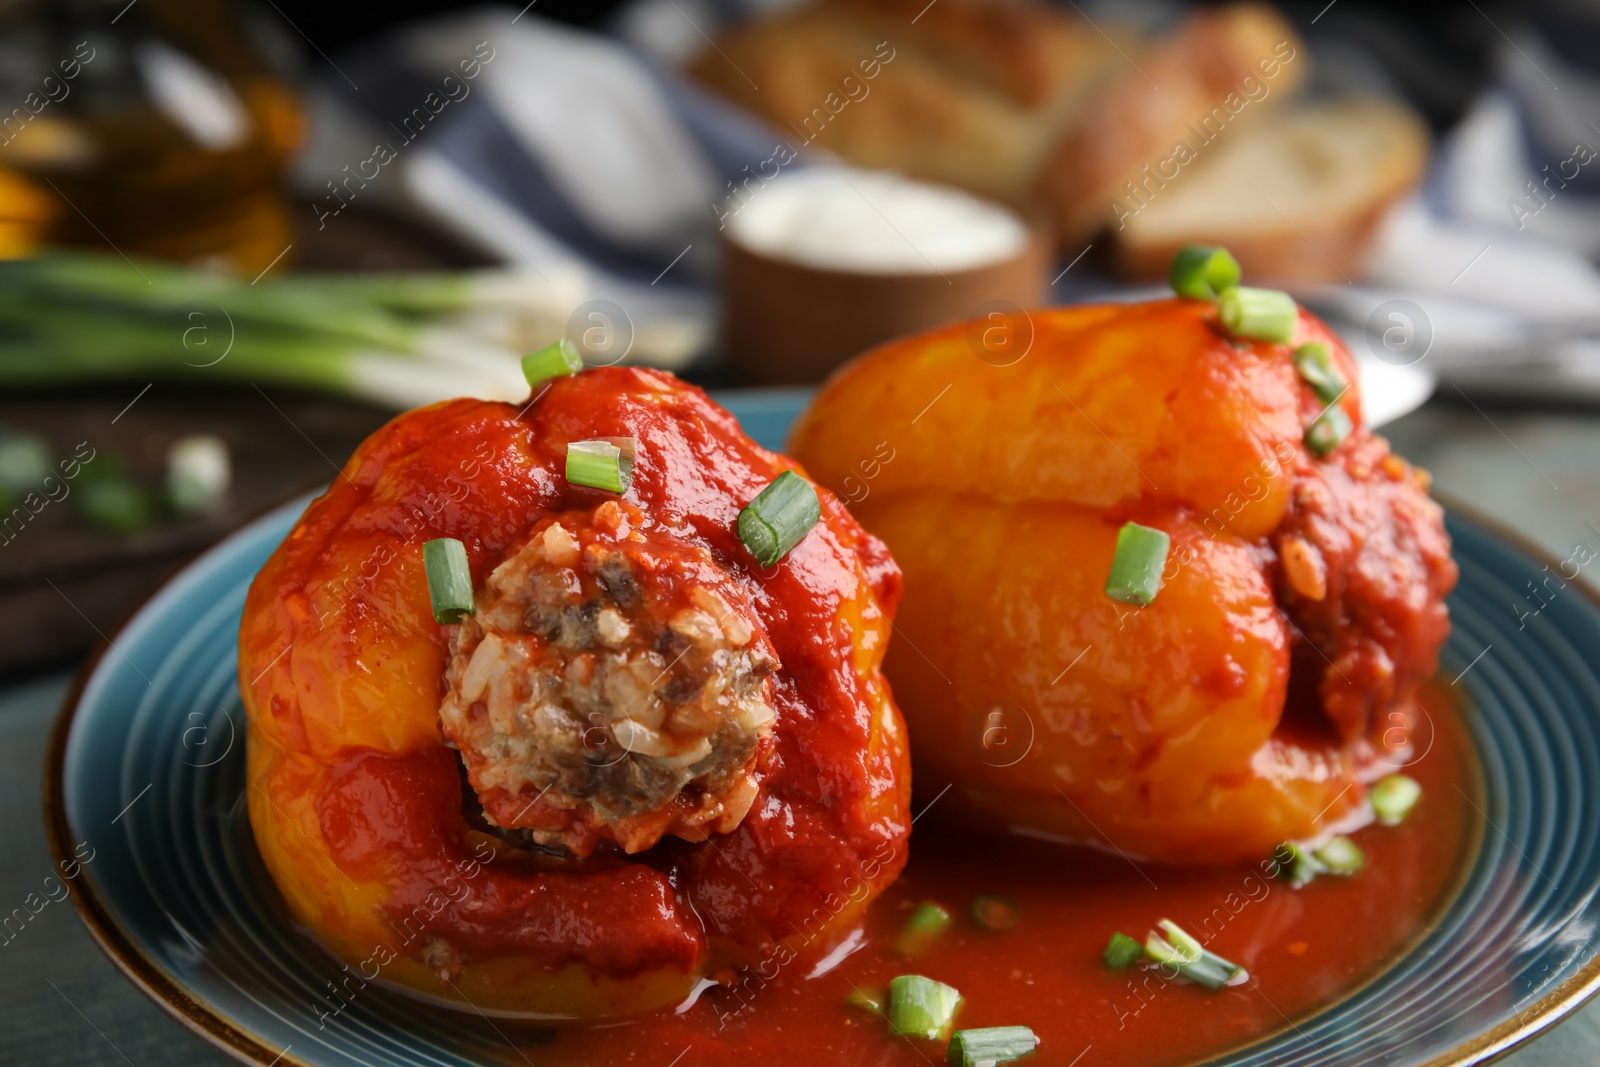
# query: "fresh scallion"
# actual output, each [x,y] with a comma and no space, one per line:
[449,579]
[779,516]
[1190,959]
[1393,797]
[1297,865]
[198,473]
[1315,364]
[602,463]
[399,339]
[921,1007]
[1122,952]
[995,913]
[989,1045]
[1340,855]
[1136,568]
[1203,271]
[24,461]
[1258,314]
[924,927]
[115,504]
[1328,431]
[554,360]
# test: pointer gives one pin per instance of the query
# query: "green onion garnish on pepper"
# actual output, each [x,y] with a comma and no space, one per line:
[1340,855]
[552,361]
[1190,959]
[779,516]
[1393,798]
[449,579]
[1258,314]
[602,463]
[990,1045]
[1203,271]
[1315,364]
[921,1007]
[1328,431]
[1136,568]
[1122,952]
[922,929]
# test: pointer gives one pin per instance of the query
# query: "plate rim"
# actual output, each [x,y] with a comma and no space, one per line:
[206,1022]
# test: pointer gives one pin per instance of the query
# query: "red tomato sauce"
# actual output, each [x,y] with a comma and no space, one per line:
[1305,948]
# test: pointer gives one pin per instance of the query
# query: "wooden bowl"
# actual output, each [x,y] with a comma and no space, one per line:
[790,323]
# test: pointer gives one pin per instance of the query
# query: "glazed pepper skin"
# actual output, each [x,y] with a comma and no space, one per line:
[1246,705]
[358,804]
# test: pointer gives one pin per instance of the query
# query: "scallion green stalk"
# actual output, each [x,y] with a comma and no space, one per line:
[1258,314]
[602,463]
[927,923]
[922,1007]
[1315,364]
[989,1045]
[449,580]
[1340,855]
[1122,952]
[1328,431]
[1202,272]
[1191,959]
[554,360]
[1136,569]
[1393,797]
[780,515]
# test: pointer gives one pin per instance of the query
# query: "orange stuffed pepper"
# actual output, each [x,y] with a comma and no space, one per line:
[1300,598]
[636,757]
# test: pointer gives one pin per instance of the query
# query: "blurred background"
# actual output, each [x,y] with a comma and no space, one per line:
[238,235]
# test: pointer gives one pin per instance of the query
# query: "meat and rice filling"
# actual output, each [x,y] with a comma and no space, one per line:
[614,685]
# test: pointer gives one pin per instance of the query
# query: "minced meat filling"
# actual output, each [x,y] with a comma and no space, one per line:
[613,685]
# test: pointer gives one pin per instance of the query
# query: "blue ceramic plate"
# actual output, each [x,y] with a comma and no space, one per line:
[147,768]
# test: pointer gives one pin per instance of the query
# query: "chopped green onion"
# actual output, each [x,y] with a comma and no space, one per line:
[603,463]
[554,360]
[1202,271]
[922,929]
[869,999]
[1340,855]
[1181,939]
[1258,314]
[921,1007]
[1328,431]
[1184,942]
[449,579]
[995,913]
[1141,555]
[24,461]
[1122,952]
[1393,798]
[1190,959]
[1296,865]
[198,473]
[779,516]
[1315,364]
[115,504]
[990,1045]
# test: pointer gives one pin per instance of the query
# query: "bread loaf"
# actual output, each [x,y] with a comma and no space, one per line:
[1297,197]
